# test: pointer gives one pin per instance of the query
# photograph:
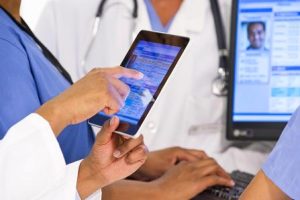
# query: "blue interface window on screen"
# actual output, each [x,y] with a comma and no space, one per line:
[267,75]
[154,61]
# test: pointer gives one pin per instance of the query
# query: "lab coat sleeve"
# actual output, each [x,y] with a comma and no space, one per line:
[32,165]
[96,196]
[30,161]
[66,187]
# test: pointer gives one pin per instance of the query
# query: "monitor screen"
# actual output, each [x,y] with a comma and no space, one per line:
[266,85]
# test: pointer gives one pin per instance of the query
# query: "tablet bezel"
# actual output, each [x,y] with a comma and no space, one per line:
[149,36]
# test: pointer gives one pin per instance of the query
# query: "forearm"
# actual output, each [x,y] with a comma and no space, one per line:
[263,188]
[127,189]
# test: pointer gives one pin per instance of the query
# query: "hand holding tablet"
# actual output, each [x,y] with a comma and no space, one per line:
[155,55]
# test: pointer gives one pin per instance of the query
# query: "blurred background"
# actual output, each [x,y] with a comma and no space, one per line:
[31,10]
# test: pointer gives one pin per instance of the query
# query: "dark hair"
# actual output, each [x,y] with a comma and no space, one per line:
[263,24]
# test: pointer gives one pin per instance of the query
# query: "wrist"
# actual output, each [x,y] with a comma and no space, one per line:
[88,180]
[142,174]
[148,171]
[159,189]
[53,113]
[128,189]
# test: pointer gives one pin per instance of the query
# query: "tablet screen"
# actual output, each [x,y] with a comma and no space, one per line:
[154,61]
[155,55]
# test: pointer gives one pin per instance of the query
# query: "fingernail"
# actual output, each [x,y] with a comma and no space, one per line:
[141,75]
[146,149]
[117,154]
[232,183]
[112,121]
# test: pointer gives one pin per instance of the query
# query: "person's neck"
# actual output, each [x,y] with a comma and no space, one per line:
[166,9]
[13,7]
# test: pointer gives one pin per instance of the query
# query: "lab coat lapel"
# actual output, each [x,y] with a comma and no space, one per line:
[142,22]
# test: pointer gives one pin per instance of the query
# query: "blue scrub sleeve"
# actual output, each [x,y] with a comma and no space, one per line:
[283,164]
[18,95]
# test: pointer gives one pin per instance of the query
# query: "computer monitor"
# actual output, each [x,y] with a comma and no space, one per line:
[264,82]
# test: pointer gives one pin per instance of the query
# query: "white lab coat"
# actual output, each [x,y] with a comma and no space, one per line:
[186,114]
[32,165]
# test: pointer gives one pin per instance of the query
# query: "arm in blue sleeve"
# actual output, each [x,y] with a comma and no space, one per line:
[18,94]
[282,166]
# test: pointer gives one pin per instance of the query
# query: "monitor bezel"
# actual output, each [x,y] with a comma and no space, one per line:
[250,131]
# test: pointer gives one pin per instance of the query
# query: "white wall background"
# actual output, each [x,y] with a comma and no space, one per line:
[31,10]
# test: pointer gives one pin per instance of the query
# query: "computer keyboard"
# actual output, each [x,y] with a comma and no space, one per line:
[241,179]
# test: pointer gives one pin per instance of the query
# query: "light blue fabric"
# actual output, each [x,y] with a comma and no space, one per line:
[283,164]
[155,22]
[28,80]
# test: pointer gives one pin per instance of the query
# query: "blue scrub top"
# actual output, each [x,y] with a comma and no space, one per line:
[28,80]
[155,22]
[283,164]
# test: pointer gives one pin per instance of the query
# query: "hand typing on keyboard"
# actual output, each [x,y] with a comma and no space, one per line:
[241,179]
[187,179]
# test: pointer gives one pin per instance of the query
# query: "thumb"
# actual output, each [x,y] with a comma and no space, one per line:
[105,135]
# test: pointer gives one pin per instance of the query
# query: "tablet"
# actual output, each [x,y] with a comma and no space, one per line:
[155,55]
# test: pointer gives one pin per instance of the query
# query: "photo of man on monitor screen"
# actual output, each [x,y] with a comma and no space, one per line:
[256,33]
